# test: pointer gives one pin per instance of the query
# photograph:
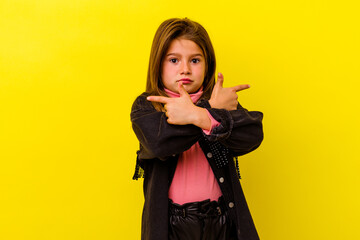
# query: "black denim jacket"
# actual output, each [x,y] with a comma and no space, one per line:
[240,132]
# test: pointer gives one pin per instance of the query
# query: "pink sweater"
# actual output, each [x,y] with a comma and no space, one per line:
[194,180]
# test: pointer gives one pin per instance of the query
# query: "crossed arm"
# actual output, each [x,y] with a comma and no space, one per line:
[181,111]
[164,134]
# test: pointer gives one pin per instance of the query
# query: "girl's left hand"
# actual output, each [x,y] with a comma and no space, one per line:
[182,111]
[225,98]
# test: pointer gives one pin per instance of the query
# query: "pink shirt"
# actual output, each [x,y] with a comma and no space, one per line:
[194,179]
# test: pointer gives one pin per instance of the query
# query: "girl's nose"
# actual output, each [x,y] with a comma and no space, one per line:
[185,68]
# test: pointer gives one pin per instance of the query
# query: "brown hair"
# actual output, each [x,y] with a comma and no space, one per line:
[172,29]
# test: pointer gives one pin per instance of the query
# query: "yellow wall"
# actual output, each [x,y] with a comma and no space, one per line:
[70,70]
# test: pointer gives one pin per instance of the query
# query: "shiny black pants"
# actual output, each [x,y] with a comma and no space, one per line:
[205,220]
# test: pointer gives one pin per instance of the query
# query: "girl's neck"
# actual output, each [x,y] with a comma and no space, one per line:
[194,96]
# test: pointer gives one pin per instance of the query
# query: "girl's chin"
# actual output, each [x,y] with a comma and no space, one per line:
[191,89]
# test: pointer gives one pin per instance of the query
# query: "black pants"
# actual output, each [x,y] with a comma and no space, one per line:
[203,220]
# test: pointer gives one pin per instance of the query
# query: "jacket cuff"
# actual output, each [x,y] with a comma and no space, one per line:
[222,131]
[222,116]
[214,124]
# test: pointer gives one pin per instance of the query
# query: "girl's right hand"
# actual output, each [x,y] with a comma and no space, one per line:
[182,111]
[225,98]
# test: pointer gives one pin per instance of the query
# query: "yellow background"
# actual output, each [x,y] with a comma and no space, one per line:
[70,70]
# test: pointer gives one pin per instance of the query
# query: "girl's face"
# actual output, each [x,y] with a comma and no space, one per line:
[183,62]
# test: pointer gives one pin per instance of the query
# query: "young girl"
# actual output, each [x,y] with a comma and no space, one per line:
[191,131]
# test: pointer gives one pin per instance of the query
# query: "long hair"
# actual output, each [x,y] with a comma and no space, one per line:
[169,30]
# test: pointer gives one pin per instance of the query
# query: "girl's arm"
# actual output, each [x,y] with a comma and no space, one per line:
[158,138]
[182,111]
[239,130]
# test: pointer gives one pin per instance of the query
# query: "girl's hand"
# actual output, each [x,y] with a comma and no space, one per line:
[225,98]
[182,111]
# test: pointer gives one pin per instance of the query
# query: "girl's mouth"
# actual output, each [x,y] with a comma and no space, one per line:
[185,80]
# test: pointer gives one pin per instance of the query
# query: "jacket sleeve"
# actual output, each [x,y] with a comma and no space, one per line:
[240,130]
[157,137]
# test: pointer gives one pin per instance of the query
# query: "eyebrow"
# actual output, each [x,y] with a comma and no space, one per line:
[193,55]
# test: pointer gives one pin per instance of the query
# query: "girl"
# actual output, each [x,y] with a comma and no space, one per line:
[191,131]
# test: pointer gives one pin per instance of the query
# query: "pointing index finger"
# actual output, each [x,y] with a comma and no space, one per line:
[159,99]
[241,87]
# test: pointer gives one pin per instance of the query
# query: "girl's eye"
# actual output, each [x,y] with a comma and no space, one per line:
[195,60]
[173,60]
